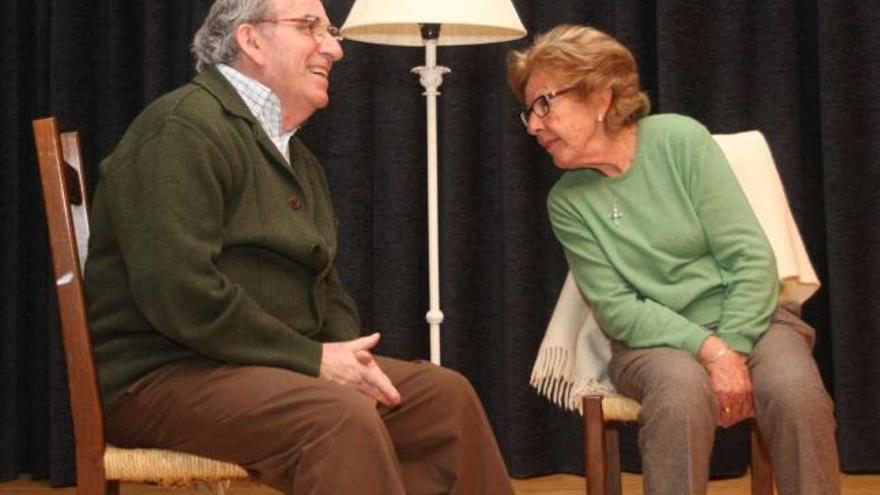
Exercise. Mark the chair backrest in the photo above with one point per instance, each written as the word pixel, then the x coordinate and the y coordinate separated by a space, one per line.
pixel 752 162
pixel 65 200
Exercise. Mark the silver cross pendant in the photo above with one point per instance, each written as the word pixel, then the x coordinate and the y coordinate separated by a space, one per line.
pixel 615 216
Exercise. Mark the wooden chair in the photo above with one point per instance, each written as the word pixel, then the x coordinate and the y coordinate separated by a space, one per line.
pixel 603 415
pixel 752 163
pixel 99 466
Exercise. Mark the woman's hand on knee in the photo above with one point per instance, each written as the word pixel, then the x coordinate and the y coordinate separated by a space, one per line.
pixel 731 381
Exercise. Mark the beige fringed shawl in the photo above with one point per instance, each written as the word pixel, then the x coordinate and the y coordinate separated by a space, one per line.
pixel 573 358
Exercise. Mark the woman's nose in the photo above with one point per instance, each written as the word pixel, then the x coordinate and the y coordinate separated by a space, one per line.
pixel 535 124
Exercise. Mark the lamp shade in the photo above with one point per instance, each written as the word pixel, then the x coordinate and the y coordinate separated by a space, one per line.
pixel 463 22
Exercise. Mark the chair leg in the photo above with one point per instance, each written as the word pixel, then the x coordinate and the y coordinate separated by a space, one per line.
pixel 91 478
pixel 612 458
pixel 761 469
pixel 97 487
pixel 595 454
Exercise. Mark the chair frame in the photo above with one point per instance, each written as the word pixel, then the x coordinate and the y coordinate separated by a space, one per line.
pixel 602 453
pixel 63 180
pixel 85 401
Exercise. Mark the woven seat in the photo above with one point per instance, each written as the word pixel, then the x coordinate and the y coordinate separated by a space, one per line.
pixel 616 407
pixel 166 467
pixel 99 466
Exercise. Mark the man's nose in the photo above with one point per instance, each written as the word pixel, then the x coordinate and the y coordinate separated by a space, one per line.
pixel 332 48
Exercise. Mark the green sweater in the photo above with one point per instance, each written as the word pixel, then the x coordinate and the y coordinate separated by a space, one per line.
pixel 206 242
pixel 685 250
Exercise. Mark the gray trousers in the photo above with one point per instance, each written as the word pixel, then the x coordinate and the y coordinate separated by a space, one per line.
pixel 305 435
pixel 679 413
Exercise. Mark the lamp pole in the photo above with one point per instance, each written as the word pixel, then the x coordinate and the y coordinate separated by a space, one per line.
pixel 418 23
pixel 431 77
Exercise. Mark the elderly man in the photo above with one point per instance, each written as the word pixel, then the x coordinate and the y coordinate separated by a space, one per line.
pixel 219 321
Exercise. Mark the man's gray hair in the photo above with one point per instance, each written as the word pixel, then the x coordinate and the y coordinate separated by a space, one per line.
pixel 214 42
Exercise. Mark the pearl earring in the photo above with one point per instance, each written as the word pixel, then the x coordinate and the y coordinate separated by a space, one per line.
pixel 600 118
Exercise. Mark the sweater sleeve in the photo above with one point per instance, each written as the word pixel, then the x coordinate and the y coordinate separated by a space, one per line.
pixel 619 309
pixel 167 208
pixel 739 246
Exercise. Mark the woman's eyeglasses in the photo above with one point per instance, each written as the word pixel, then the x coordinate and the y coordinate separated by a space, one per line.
pixel 541 105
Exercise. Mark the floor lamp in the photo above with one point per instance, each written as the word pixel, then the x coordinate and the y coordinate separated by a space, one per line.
pixel 430 23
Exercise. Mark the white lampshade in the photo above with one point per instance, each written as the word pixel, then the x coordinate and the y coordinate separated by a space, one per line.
pixel 463 22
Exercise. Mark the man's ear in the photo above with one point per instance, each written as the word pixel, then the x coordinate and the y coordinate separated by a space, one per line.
pixel 251 42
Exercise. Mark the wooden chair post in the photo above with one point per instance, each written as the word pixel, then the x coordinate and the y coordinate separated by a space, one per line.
pixel 595 454
pixel 760 469
pixel 85 398
pixel 612 458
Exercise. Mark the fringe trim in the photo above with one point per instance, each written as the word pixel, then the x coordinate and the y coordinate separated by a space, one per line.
pixel 553 377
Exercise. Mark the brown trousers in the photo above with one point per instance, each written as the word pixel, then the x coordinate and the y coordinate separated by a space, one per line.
pixel 305 435
pixel 679 412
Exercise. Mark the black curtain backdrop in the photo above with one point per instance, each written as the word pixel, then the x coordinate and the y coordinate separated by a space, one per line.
pixel 803 72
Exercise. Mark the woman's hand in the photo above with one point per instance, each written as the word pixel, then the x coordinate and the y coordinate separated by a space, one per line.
pixel 731 381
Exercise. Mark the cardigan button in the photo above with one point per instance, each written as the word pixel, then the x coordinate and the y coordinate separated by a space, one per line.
pixel 295 202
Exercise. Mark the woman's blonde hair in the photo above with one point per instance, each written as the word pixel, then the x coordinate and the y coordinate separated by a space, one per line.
pixel 589 60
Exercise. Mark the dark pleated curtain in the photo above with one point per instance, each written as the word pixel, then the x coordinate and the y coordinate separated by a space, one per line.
pixel 803 72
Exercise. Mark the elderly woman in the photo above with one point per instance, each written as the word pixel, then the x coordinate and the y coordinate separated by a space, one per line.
pixel 663 243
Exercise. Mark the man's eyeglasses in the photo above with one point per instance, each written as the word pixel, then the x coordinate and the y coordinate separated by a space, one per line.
pixel 308 24
pixel 541 105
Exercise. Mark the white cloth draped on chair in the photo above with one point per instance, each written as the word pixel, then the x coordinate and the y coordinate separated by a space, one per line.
pixel 573 358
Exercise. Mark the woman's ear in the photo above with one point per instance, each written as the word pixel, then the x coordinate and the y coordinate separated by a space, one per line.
pixel 251 42
pixel 603 101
